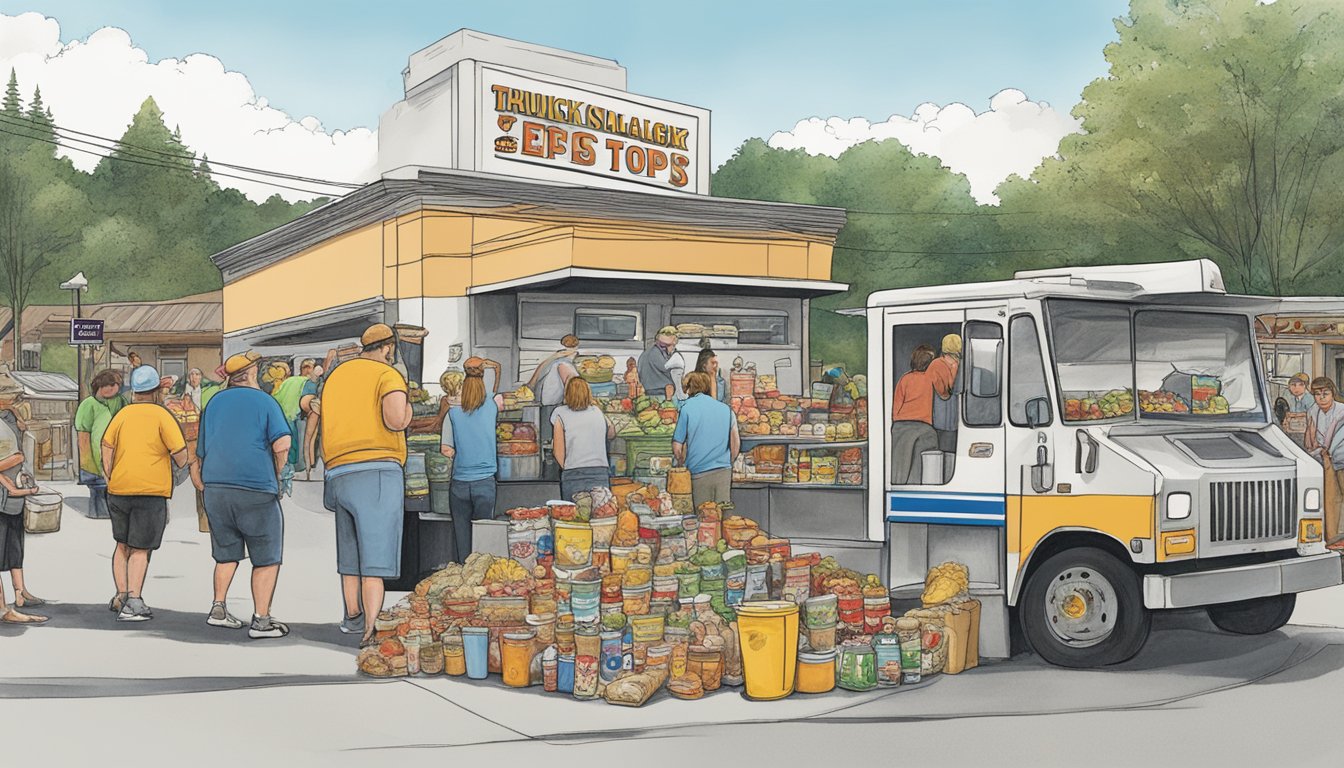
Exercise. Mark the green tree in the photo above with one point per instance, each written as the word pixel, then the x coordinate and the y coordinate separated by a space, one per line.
pixel 1218 132
pixel 39 117
pixel 12 106
pixel 32 230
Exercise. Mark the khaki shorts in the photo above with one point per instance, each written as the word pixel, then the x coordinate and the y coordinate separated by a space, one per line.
pixel 714 485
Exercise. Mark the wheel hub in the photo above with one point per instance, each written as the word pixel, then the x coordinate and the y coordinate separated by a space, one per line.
pixel 1081 607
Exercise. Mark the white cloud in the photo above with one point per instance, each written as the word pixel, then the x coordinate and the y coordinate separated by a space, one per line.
pixel 1012 136
pixel 97 84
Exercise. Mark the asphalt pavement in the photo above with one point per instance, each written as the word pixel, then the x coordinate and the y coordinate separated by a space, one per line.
pixel 85 688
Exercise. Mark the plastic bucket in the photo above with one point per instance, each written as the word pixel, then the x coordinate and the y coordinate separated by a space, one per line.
pixel 476 647
pixel 688 585
pixel 621 558
pixel 516 655
pixel 573 544
pixel 647 629
pixel 603 530
pixel 816 671
pixel 768 636
pixel 584 599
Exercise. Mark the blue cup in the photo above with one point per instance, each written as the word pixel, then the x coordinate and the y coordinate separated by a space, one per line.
pixel 564 673
pixel 476 647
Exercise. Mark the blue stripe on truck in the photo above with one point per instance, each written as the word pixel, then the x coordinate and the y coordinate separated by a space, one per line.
pixel 947 508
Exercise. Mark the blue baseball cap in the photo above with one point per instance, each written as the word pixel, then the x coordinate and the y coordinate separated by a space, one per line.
pixel 144 379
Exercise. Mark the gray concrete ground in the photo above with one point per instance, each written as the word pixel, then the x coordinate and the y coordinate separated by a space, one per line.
pixel 85 688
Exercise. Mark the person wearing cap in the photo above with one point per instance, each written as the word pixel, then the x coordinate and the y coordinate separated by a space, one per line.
pixel 468 438
pixel 288 392
pixel 366 409
pixel 1299 399
pixel 140 448
pixel 91 420
pixel 654 373
pixel 943 376
pixel 243 443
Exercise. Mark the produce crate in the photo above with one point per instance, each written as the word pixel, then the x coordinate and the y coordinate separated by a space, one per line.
pixel 646 455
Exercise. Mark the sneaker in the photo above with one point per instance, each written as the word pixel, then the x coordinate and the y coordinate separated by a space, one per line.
pixel 353 625
pixel 114 605
pixel 265 626
pixel 134 610
pixel 220 617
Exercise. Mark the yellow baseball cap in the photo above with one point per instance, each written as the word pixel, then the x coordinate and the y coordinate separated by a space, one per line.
pixel 240 362
pixel 669 330
pixel 376 334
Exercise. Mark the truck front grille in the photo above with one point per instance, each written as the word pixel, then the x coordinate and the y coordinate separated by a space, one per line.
pixel 1252 510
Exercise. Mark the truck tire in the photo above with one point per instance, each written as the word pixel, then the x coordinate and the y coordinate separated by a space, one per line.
pixel 1253 617
pixel 1084 608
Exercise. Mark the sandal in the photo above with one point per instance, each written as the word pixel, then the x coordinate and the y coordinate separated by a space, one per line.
pixel 26 599
pixel 14 617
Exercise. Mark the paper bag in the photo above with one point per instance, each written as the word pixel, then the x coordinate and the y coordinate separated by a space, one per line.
pixel 963 637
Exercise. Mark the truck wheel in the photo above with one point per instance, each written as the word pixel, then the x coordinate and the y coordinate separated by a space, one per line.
pixel 1084 608
pixel 1253 617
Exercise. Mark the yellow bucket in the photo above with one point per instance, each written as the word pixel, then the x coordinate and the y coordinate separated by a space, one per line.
pixel 768 635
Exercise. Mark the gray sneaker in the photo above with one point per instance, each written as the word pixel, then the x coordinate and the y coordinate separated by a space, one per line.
pixel 220 617
pixel 265 626
pixel 134 609
pixel 353 625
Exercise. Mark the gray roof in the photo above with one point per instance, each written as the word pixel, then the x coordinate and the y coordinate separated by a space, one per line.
pixel 388 198
pixel 46 385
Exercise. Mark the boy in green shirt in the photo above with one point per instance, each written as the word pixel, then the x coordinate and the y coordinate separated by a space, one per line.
pixel 91 421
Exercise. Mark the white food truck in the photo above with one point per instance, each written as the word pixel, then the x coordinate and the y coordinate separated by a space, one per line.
pixel 1112 455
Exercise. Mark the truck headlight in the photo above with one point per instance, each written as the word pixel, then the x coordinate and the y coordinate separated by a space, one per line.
pixel 1178 506
pixel 1311 500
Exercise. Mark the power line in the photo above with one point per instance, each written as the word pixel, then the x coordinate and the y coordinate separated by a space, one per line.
pixel 943 213
pixel 949 253
pixel 138 161
pixel 123 148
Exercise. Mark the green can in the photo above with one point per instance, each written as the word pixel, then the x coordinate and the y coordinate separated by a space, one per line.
pixel 857 670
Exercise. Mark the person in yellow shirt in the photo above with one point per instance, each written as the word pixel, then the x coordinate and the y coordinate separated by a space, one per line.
pixel 140 448
pixel 365 412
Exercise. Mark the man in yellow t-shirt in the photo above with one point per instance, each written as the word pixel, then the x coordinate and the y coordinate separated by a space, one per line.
pixel 365 413
pixel 140 448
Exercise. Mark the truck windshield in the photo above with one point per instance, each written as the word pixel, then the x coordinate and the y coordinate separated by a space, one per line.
pixel 1188 366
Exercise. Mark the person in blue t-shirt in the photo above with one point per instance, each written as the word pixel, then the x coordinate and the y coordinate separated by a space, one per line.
pixel 706 441
pixel 242 447
pixel 468 438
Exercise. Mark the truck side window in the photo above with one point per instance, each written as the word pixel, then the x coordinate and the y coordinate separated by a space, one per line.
pixel 1026 370
pixel 983 374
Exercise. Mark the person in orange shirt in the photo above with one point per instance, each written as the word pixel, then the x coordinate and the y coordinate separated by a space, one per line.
pixel 365 413
pixel 912 418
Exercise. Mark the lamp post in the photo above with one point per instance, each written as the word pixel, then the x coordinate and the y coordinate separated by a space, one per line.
pixel 77 285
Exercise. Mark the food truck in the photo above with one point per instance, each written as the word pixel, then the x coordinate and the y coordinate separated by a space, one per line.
pixel 1114 455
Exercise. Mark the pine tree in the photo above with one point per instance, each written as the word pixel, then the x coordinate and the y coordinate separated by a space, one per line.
pixel 203 167
pixel 40 117
pixel 12 106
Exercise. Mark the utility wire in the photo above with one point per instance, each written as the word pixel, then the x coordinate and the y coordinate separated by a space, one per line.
pixel 165 166
pixel 948 253
pixel 147 153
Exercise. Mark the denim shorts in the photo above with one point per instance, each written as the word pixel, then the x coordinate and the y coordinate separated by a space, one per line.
pixel 244 523
pixel 368 500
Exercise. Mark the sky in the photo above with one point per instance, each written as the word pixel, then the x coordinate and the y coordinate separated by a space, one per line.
pixel 312 78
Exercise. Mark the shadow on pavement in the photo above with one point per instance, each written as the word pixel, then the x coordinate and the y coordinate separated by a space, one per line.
pixel 180 626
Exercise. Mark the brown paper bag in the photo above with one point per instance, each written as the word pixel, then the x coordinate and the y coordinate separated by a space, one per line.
pixel 972 608
pixel 958 623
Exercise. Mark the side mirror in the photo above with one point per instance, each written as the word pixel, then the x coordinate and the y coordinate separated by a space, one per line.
pixel 1038 412
pixel 1085 461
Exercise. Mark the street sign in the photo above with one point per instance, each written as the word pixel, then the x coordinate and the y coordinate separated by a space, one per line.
pixel 86 331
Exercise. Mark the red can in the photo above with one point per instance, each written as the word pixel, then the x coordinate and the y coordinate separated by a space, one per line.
pixel 850 609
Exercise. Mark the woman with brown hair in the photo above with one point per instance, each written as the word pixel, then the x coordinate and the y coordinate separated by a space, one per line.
pixel 581 435
pixel 912 430
pixel 468 438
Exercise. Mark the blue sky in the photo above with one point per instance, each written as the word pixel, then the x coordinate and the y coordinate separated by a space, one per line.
pixel 759 66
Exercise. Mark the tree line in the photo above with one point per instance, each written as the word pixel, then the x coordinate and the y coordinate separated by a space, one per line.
pixel 1218 132
pixel 140 226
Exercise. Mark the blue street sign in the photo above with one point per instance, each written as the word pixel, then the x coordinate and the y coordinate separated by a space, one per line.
pixel 86 331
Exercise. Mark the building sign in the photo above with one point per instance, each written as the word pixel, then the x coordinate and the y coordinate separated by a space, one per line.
pixel 86 331
pixel 576 129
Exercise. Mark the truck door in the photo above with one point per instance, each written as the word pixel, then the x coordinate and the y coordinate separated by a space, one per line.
pixel 1031 455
